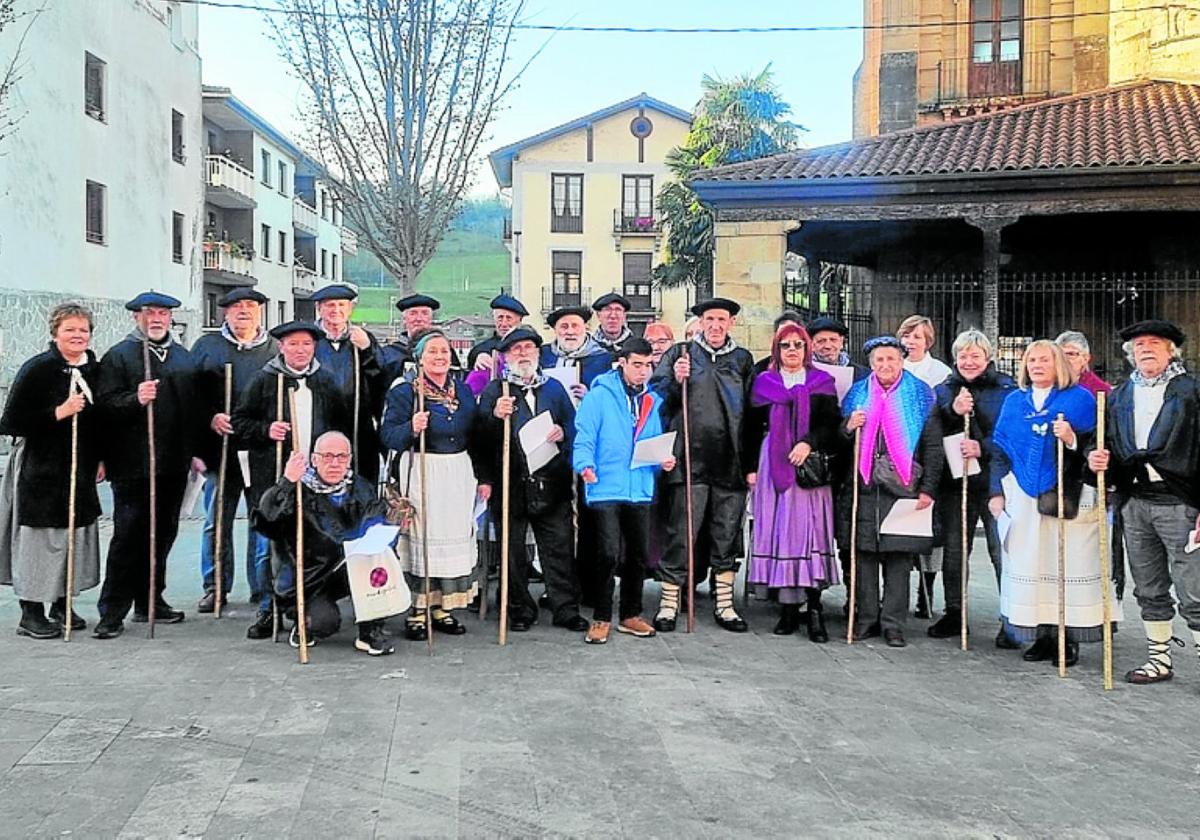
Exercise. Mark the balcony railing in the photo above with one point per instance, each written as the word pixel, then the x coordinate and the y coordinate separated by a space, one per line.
pixel 224 174
pixel 229 258
pixel 552 300
pixel 304 217
pixel 566 224
pixel 962 81
pixel 636 223
pixel 349 242
pixel 647 302
pixel 304 279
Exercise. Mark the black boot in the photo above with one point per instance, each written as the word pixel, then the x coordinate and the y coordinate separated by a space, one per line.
pixel 58 612
pixel 925 595
pixel 789 620
pixel 816 626
pixel 34 623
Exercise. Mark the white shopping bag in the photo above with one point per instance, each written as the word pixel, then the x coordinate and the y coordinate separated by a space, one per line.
pixel 377 585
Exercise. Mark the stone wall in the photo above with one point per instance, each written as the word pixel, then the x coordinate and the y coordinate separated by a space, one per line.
pixel 748 267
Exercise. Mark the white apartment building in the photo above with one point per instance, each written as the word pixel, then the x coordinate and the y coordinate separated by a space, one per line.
pixel 272 219
pixel 101 186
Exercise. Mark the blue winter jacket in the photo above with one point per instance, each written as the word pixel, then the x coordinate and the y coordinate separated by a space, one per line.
pixel 604 438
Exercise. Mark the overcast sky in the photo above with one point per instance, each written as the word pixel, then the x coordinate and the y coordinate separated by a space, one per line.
pixel 581 72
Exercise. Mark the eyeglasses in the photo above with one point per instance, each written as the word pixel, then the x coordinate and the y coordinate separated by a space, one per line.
pixel 336 457
pixel 791 345
pixel 660 342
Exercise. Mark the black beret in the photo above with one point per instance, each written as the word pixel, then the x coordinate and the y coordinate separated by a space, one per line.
pixel 241 293
pixel 518 335
pixel 730 306
pixel 510 303
pixel 152 298
pixel 413 301
pixel 827 324
pixel 334 291
pixel 878 341
pixel 1162 329
pixel 611 298
pixel 582 311
pixel 297 326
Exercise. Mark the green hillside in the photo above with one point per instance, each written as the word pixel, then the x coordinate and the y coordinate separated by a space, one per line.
pixel 468 270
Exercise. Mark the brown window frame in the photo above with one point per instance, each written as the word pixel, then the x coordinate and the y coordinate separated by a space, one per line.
pixel 565 267
pixel 177 222
pixel 566 221
pixel 95 224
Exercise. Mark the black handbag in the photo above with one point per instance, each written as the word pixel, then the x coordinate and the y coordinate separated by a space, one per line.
pixel 814 472
pixel 883 473
pixel 1047 502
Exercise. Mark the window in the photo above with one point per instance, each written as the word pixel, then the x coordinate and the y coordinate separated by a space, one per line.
pixel 95 212
pixel 212 142
pixel 93 86
pixel 324 261
pixel 995 48
pixel 565 270
pixel 266 242
pixel 333 271
pixel 177 237
pixel 177 148
pixel 637 199
pixel 325 204
pixel 282 311
pixel 283 251
pixel 211 310
pixel 283 179
pixel 566 203
pixel 637 282
pixel 266 167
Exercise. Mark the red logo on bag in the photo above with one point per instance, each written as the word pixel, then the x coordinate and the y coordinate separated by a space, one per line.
pixel 379 577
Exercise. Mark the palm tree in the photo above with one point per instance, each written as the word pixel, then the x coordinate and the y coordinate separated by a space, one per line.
pixel 735 120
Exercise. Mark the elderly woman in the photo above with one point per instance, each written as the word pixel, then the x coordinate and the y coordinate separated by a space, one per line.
pixel 49 390
pixel 793 550
pixel 974 389
pixel 447 420
pixel 1078 353
pixel 900 458
pixel 661 337
pixel 1049 407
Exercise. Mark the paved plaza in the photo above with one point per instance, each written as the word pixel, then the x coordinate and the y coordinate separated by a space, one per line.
pixel 201 732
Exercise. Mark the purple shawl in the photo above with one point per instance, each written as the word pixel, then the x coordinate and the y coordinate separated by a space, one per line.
pixel 788 418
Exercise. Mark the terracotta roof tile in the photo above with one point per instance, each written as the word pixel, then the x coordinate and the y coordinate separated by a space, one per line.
pixel 1151 123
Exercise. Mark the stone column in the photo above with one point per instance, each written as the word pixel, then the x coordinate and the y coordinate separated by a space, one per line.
pixel 748 267
pixel 991 227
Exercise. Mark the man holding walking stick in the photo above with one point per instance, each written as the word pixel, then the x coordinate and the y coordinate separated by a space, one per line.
pixel 1151 452
pixel 719 374
pixel 123 394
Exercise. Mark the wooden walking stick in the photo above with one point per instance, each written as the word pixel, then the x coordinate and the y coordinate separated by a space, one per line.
pixel 691 540
pixel 275 620
pixel 218 564
pixel 1062 565
pixel 153 466
pixel 854 538
pixel 357 377
pixel 965 560
pixel 424 514
pixel 1102 503
pixel 73 484
pixel 505 457
pixel 301 625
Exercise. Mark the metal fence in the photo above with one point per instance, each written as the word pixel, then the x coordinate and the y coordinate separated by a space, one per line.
pixel 1032 305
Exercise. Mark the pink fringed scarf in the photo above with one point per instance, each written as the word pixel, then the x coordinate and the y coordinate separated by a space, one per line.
pixel 900 412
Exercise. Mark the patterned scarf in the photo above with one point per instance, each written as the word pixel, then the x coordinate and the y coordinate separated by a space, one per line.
pixel 514 379
pixel 611 344
pixel 313 482
pixel 590 347
pixel 899 411
pixel 440 395
pixel 728 347
pixel 1172 370
pixel 260 338
pixel 158 348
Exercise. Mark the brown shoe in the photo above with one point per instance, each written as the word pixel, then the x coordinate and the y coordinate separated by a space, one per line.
pixel 636 626
pixel 597 634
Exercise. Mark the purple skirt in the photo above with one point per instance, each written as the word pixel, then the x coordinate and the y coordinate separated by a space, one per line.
pixel 793 545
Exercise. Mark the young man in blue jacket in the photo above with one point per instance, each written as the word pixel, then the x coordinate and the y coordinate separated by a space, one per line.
pixel 617 412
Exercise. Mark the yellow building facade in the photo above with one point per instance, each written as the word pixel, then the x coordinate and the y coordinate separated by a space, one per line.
pixel 585 217
pixel 926 61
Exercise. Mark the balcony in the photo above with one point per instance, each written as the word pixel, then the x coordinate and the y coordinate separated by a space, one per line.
pixel 229 185
pixel 304 218
pixel 304 280
pixel 349 242
pixel 632 223
pixel 566 224
pixel 966 87
pixel 552 300
pixel 228 264
pixel 646 299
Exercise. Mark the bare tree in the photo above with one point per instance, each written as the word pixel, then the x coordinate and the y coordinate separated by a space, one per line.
pixel 401 93
pixel 17 24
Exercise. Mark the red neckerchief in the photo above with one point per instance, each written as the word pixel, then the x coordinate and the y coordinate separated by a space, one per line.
pixel 643 414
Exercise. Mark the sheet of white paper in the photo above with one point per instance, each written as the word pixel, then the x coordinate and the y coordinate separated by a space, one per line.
pixel 377 538
pixel 843 377
pixel 1193 543
pixel 538 451
pixel 952 444
pixel 567 375
pixel 653 450
pixel 904 520
pixel 1003 526
pixel 243 459
pixel 191 493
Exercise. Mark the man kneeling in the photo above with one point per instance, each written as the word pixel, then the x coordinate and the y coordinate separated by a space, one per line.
pixel 338 506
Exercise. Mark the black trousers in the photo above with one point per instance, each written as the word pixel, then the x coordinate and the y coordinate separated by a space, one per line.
pixel 617 525
pixel 127 568
pixel 894 611
pixel 950 508
pixel 321 612
pixel 717 514
pixel 551 524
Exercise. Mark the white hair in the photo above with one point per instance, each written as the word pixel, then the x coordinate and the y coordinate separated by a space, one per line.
pixel 1172 348
pixel 972 338
pixel 1074 337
